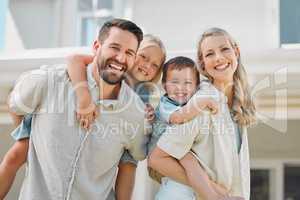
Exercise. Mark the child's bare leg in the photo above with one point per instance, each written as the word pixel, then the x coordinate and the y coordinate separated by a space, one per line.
pixel 12 161
pixel 198 179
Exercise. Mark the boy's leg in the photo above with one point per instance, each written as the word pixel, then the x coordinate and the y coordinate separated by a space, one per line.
pixel 198 178
pixel 12 161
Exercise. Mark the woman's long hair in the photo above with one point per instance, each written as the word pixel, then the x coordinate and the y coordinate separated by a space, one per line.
pixel 243 107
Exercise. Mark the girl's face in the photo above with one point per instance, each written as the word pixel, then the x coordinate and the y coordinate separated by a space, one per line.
pixel 147 64
pixel 220 58
pixel 181 84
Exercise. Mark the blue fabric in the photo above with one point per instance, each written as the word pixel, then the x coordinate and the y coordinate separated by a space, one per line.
pixel 24 129
pixel 166 107
pixel 170 189
pixel 163 111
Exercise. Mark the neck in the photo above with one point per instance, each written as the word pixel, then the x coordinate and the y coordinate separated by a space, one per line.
pixel 227 89
pixel 107 91
pixel 131 81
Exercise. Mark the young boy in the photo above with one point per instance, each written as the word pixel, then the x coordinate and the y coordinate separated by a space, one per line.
pixel 180 81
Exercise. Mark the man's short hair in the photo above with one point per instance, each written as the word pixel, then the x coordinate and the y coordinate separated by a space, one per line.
pixel 122 24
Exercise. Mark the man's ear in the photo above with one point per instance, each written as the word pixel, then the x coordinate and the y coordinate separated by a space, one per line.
pixel 96 46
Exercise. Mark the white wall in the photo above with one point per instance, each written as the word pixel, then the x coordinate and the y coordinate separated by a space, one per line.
pixel 179 23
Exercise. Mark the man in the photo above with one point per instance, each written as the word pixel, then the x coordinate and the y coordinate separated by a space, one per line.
pixel 64 161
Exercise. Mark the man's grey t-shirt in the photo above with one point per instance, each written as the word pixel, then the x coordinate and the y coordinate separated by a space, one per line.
pixel 64 161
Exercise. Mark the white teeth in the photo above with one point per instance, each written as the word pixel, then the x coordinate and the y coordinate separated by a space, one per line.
pixel 116 67
pixel 143 71
pixel 221 67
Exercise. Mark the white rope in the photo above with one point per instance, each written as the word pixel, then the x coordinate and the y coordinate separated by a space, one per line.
pixel 74 168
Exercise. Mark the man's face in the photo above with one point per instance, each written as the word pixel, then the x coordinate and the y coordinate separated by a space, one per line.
pixel 116 55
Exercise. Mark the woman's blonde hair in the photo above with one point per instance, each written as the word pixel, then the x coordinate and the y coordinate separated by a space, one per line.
pixel 151 40
pixel 243 107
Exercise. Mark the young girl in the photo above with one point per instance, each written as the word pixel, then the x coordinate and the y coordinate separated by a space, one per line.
pixel 222 149
pixel 150 57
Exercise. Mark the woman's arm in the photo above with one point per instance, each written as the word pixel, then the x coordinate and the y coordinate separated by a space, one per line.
pixel 200 181
pixel 193 108
pixel 76 66
pixel 167 165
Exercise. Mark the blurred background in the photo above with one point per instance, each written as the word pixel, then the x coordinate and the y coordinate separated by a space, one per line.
pixel 36 32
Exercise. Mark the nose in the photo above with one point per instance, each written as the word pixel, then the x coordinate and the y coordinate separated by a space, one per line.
pixel 219 56
pixel 121 57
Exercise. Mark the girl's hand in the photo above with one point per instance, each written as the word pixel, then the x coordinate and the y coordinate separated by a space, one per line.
pixel 150 113
pixel 86 114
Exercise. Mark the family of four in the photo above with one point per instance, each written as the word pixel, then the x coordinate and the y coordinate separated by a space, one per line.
pixel 82 127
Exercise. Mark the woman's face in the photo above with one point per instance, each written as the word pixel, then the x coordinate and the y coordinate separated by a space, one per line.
pixel 147 63
pixel 220 58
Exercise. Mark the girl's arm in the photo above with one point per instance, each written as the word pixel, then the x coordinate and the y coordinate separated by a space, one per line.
pixel 125 181
pixel 86 109
pixel 193 108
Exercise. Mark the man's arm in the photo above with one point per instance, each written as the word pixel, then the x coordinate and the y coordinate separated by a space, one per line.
pixel 17 119
pixel 125 181
pixel 28 93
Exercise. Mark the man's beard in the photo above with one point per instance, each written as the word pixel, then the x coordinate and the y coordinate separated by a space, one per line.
pixel 106 75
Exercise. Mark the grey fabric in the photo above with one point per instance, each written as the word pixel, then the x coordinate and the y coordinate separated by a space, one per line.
pixel 64 161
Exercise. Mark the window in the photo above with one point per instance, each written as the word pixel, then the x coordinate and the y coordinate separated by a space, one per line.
pixel 260 184
pixel 291 182
pixel 3 9
pixel 289 22
pixel 92 15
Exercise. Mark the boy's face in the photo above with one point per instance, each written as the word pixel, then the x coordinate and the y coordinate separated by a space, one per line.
pixel 181 84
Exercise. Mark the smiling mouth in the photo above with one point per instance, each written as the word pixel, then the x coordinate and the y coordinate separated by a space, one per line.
pixel 222 67
pixel 143 71
pixel 117 67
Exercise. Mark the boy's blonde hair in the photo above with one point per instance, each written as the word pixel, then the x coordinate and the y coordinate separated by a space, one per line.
pixel 243 107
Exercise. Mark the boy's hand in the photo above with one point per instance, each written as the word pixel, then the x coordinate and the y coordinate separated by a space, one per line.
pixel 86 114
pixel 150 113
pixel 209 103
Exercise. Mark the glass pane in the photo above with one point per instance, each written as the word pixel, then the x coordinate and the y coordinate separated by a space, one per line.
pixel 90 5
pixel 85 5
pixel 291 183
pixel 289 21
pixel 260 184
pixel 108 4
pixel 90 28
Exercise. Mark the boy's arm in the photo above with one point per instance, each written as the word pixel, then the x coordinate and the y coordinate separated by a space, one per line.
pixel 193 108
pixel 125 181
pixel 76 66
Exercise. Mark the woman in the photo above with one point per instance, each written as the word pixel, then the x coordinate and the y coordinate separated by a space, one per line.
pixel 222 150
